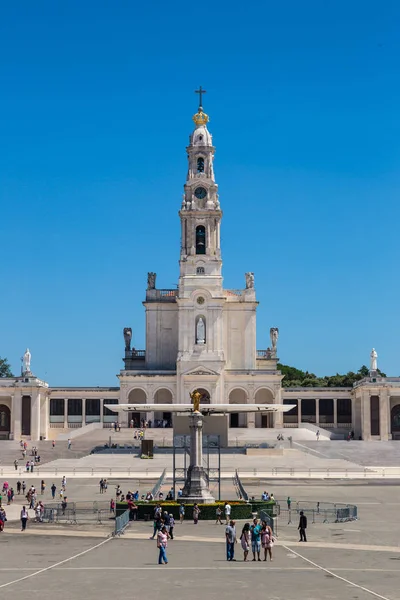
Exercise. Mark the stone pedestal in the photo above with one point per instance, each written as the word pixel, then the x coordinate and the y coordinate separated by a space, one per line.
pixel 196 488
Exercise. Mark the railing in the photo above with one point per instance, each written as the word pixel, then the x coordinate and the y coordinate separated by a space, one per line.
pixel 265 354
pixel 234 292
pixel 57 425
pixel 271 521
pixel 159 483
pixel 161 295
pixel 137 354
pixel 121 523
pixel 239 486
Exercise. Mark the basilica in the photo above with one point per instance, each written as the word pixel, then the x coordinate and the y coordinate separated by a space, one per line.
pixel 200 336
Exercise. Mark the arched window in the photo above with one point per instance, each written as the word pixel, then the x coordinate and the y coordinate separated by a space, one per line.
pixel 200 164
pixel 200 239
pixel 200 271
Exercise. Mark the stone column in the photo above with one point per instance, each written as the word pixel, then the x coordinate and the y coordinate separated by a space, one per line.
pixel 384 408
pixel 83 412
pixel 298 411
pixel 365 416
pixel 251 417
pixel 35 416
pixel 65 413
pixel 101 410
pixel 335 412
pixel 317 411
pixel 16 415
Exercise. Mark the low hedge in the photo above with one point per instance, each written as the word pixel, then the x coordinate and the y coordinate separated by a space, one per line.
pixel 240 510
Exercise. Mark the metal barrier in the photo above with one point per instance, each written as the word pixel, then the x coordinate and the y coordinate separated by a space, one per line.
pixel 121 523
pixel 321 512
pixel 159 483
pixel 271 521
pixel 239 486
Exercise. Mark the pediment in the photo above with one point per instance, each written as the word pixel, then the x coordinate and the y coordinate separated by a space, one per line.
pixel 201 371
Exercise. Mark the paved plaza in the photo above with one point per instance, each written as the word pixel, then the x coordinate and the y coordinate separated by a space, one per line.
pixel 341 560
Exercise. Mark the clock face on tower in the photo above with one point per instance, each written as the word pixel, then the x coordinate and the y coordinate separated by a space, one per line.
pixel 200 193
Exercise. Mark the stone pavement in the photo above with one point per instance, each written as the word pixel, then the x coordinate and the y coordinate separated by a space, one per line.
pixel 341 561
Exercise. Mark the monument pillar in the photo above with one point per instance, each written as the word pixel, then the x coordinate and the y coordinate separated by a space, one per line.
pixel 35 417
pixel 196 484
pixel 317 411
pixel 298 412
pixel 83 412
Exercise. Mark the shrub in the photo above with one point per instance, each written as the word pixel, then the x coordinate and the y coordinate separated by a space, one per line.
pixel 240 510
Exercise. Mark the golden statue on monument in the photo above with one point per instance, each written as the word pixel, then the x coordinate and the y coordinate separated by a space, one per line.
pixel 195 398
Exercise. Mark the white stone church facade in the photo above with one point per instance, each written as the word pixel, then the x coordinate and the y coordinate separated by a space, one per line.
pixel 200 336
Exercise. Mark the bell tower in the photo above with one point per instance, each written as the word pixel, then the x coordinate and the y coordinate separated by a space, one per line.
pixel 200 214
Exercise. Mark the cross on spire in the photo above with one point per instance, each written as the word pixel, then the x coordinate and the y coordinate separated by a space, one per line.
pixel 200 91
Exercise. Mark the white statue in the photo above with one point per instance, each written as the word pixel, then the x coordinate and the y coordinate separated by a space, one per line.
pixel 374 363
pixel 249 280
pixel 200 331
pixel 274 334
pixel 26 361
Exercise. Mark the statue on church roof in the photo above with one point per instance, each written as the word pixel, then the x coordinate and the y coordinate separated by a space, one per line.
pixel 151 280
pixel 26 362
pixel 374 362
pixel 127 337
pixel 274 334
pixel 249 280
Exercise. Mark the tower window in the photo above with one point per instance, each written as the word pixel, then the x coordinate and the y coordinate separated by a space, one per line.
pixel 200 239
pixel 200 164
pixel 200 271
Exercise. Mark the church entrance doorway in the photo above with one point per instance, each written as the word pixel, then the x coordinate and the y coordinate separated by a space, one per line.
pixel 26 415
pixel 234 421
pixel 395 422
pixel 265 420
pixel 5 418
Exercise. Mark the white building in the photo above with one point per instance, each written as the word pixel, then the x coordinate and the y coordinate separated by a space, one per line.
pixel 200 336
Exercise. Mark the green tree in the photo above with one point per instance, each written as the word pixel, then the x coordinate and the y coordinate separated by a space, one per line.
pixel 297 378
pixel 5 369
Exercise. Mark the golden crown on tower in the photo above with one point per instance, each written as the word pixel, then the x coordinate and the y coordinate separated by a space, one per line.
pixel 200 118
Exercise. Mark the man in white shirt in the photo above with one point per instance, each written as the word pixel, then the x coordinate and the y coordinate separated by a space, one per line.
pixel 227 509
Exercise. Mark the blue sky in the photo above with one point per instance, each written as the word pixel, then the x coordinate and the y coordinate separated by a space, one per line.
pixel 95 108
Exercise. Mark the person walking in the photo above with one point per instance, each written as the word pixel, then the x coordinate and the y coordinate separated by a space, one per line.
pixel 42 487
pixel 181 513
pixel 53 443
pixel 69 444
pixel 112 505
pixel 3 518
pixel 196 513
pixel 23 488
pixel 230 535
pixel 16 463
pixel 162 542
pixel 24 518
pixel 289 502
pixel 53 490
pixel 302 527
pixel 227 510
pixel 245 540
pixel 171 526
pixel 317 435
pixel 255 531
pixel 18 487
pixel 219 515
